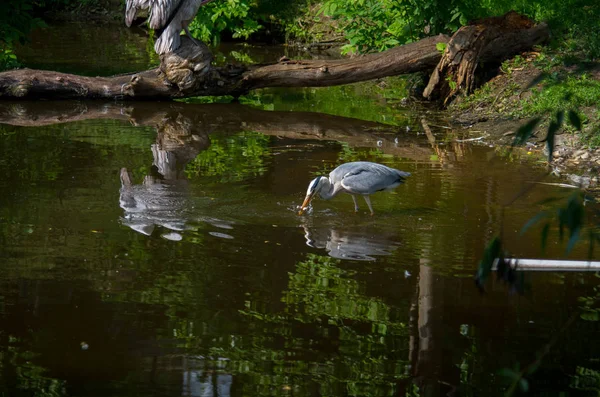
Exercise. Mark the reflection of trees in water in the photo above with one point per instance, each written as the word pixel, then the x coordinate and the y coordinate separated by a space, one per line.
pixel 355 343
pixel 326 332
pixel 233 158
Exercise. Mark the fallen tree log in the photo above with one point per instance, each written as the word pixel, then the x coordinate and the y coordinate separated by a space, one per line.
pixel 483 40
pixel 189 72
pixel 185 81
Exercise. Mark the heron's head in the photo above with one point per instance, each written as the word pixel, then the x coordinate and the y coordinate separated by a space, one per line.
pixel 313 188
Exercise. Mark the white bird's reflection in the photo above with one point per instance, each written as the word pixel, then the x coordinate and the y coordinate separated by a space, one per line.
pixel 353 244
pixel 162 199
pixel 159 202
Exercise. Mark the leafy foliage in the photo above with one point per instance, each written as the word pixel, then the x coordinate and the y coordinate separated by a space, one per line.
pixel 380 24
pixel 241 18
pixel 16 20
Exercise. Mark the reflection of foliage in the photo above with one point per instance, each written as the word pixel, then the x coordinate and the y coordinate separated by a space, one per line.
pixel 365 332
pixel 588 306
pixel 361 100
pixel 232 158
pixel 586 379
pixel 242 57
pixel 20 373
pixel 349 154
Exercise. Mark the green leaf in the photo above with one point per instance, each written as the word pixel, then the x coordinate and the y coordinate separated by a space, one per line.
pixel 441 47
pixel 524 385
pixel 508 373
pixel 590 315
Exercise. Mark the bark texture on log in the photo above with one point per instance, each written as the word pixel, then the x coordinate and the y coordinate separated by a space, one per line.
pixel 189 73
pixel 487 39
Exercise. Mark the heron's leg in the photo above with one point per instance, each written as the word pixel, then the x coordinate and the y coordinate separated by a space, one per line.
pixel 187 32
pixel 355 203
pixel 368 200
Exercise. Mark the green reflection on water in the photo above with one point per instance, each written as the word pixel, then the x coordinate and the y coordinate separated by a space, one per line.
pixel 233 158
pixel 365 101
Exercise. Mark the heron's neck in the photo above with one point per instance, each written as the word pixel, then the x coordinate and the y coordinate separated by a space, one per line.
pixel 328 190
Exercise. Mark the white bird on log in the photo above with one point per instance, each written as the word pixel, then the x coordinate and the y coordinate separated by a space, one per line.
pixel 356 178
pixel 167 17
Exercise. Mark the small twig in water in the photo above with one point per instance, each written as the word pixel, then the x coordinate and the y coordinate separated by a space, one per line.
pixel 471 139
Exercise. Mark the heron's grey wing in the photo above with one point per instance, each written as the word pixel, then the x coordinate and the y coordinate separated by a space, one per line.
pixel 371 178
pixel 132 7
pixel 161 11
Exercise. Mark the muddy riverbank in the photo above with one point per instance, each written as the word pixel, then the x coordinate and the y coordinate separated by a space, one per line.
pixel 497 109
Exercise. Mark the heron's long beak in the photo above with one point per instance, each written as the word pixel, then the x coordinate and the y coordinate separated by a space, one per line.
pixel 305 203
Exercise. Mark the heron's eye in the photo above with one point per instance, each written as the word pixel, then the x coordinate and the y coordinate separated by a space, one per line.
pixel 313 184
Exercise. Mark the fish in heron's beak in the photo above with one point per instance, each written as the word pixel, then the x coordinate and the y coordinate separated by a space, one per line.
pixel 306 202
pixel 313 188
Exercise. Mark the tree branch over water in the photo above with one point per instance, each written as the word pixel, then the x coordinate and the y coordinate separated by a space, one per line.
pixel 189 71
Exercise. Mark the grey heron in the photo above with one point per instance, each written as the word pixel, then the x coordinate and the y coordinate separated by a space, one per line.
pixel 355 178
pixel 167 17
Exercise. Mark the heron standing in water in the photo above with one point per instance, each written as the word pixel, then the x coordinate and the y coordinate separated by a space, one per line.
pixel 356 178
pixel 167 17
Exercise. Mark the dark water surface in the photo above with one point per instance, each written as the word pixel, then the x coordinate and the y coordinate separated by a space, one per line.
pixel 155 250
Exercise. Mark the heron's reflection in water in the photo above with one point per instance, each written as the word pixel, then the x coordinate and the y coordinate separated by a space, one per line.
pixel 359 244
pixel 162 199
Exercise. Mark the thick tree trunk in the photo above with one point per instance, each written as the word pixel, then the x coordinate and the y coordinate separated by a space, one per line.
pixel 483 40
pixel 189 72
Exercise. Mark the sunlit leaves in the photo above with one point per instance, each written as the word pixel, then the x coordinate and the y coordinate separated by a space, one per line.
pixel 589 309
pixel 235 16
pixel 375 25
